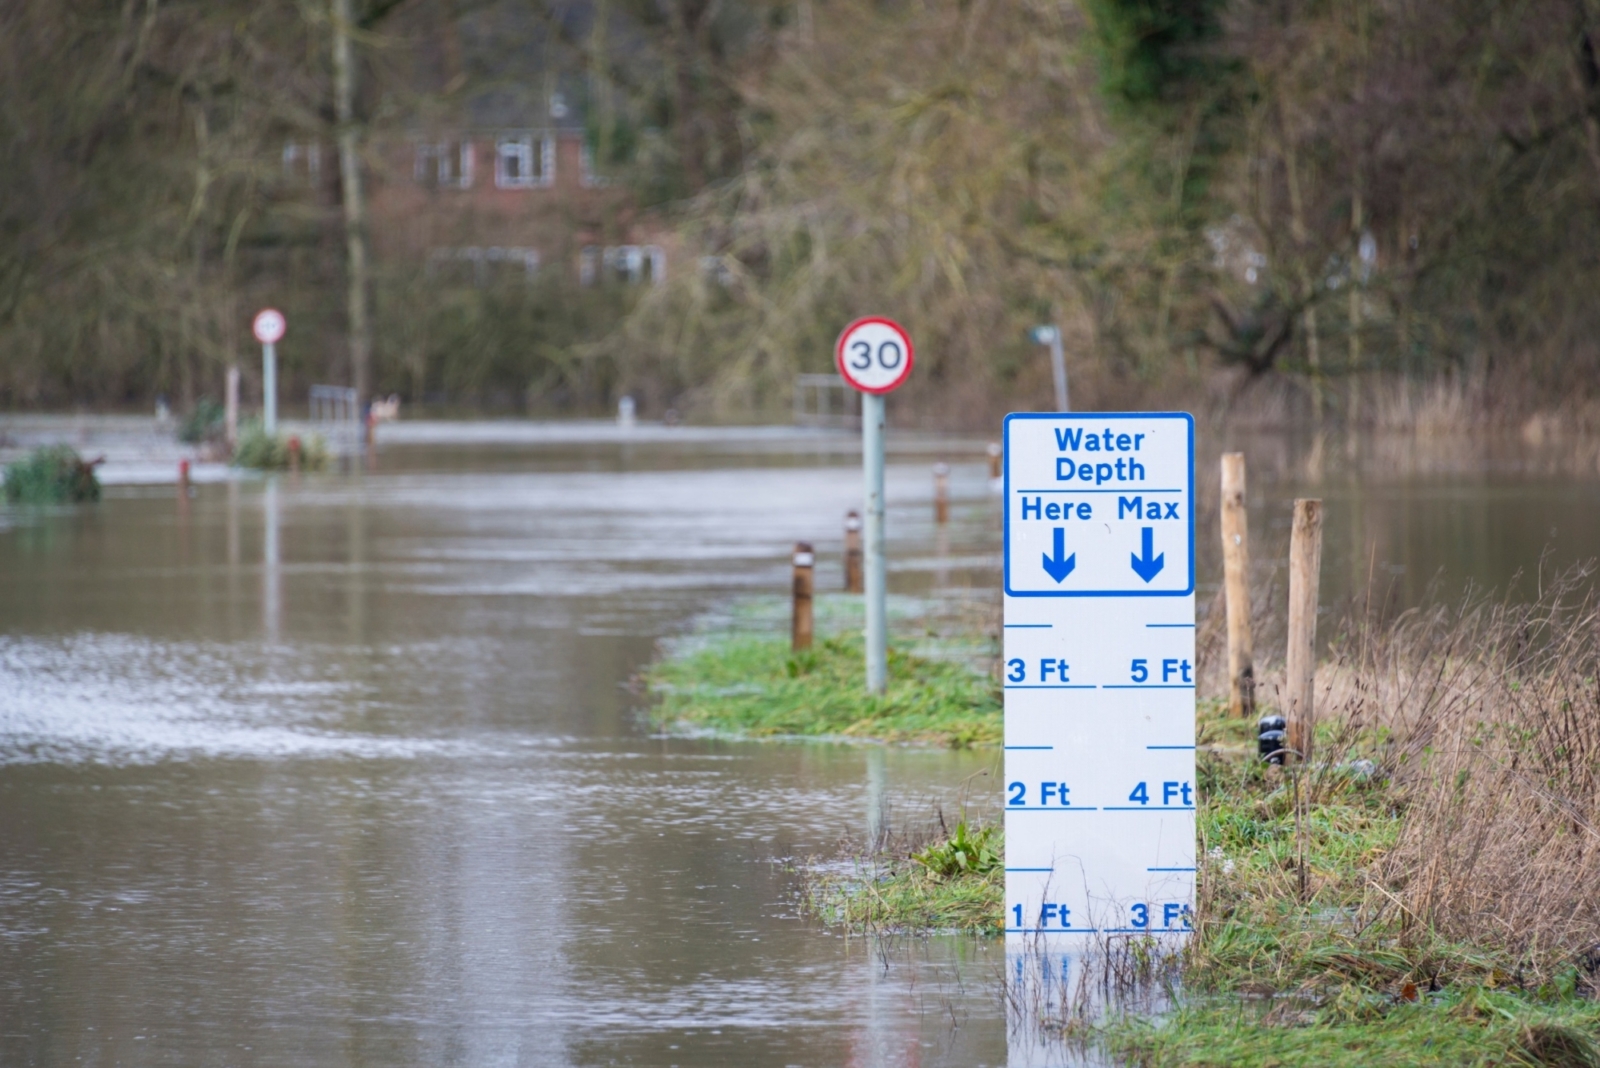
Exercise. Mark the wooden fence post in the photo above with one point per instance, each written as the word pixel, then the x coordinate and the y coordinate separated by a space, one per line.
pixel 941 492
pixel 1305 566
pixel 801 628
pixel 1236 586
pixel 852 551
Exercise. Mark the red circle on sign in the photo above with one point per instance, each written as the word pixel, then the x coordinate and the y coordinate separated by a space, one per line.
pixel 269 326
pixel 874 354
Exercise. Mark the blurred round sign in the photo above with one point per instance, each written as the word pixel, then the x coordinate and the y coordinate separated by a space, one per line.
pixel 874 354
pixel 269 326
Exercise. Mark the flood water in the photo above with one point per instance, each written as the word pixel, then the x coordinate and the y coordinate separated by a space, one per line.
pixel 347 770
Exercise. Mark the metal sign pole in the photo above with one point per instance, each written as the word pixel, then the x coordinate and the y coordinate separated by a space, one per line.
pixel 1058 366
pixel 874 355
pixel 877 579
pixel 269 387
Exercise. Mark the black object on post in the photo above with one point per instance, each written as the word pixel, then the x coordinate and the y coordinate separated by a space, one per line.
pixel 1270 738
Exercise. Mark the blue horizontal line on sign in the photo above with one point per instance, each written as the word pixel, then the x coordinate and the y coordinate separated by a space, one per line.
pixel 1159 626
pixel 1030 869
pixel 1051 808
pixel 1158 869
pixel 1030 747
pixel 1055 686
pixel 1169 747
pixel 1149 808
pixel 1146 930
pixel 1029 626
pixel 1052 930
pixel 1147 686
pixel 1124 492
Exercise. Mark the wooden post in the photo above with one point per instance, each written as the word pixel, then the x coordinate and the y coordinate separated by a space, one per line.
pixel 183 478
pixel 294 454
pixel 231 407
pixel 1236 586
pixel 801 628
pixel 1305 567
pixel 852 551
pixel 994 461
pixel 941 492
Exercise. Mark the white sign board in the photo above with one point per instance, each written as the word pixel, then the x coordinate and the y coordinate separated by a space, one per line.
pixel 874 355
pixel 269 325
pixel 1099 674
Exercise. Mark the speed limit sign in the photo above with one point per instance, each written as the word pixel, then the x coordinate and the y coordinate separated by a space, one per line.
pixel 268 326
pixel 874 354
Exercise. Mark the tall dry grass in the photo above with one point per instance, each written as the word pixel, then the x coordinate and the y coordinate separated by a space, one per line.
pixel 1484 716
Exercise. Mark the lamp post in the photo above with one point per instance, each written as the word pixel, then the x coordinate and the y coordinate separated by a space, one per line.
pixel 1051 335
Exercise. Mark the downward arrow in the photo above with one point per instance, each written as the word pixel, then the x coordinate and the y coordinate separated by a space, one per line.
pixel 1060 566
pixel 1147 567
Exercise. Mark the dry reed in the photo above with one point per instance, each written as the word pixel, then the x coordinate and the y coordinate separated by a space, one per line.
pixel 1484 718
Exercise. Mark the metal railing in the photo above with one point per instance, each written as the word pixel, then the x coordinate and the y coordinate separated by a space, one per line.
pixel 815 403
pixel 336 413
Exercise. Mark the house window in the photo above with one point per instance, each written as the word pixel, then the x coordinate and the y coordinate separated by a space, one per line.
pixel 480 266
pixel 302 161
pixel 444 164
pixel 524 161
pixel 630 264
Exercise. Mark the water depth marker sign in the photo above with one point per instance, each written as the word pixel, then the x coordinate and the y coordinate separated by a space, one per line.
pixel 1099 674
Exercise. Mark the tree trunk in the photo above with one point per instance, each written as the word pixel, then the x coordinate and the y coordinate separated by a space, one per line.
pixel 1356 266
pixel 353 199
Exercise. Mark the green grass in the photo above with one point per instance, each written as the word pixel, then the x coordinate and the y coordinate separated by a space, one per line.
pixel 756 687
pixel 955 884
pixel 1474 1027
pixel 55 474
pixel 270 452
pixel 1272 979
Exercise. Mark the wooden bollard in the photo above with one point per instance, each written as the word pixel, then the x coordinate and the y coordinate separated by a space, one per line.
pixel 994 460
pixel 852 552
pixel 294 454
pixel 801 628
pixel 372 428
pixel 1305 567
pixel 183 478
pixel 1236 586
pixel 941 492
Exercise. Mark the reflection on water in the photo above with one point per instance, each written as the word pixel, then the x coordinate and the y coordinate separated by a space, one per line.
pixel 345 770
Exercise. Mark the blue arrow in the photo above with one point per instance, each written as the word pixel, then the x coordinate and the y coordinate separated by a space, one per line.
pixel 1060 566
pixel 1148 567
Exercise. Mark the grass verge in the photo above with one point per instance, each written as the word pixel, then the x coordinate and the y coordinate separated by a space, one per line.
pixel 757 687
pixel 955 883
pixel 54 474
pixel 1291 969
pixel 261 451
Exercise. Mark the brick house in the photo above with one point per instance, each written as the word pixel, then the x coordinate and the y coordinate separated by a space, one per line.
pixel 488 198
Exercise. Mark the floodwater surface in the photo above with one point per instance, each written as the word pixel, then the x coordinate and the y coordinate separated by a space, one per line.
pixel 348 770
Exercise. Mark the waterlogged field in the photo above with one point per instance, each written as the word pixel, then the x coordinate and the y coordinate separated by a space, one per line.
pixel 366 767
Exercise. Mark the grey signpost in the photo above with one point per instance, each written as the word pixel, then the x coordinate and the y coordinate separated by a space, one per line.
pixel 874 355
pixel 1051 335
pixel 268 327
